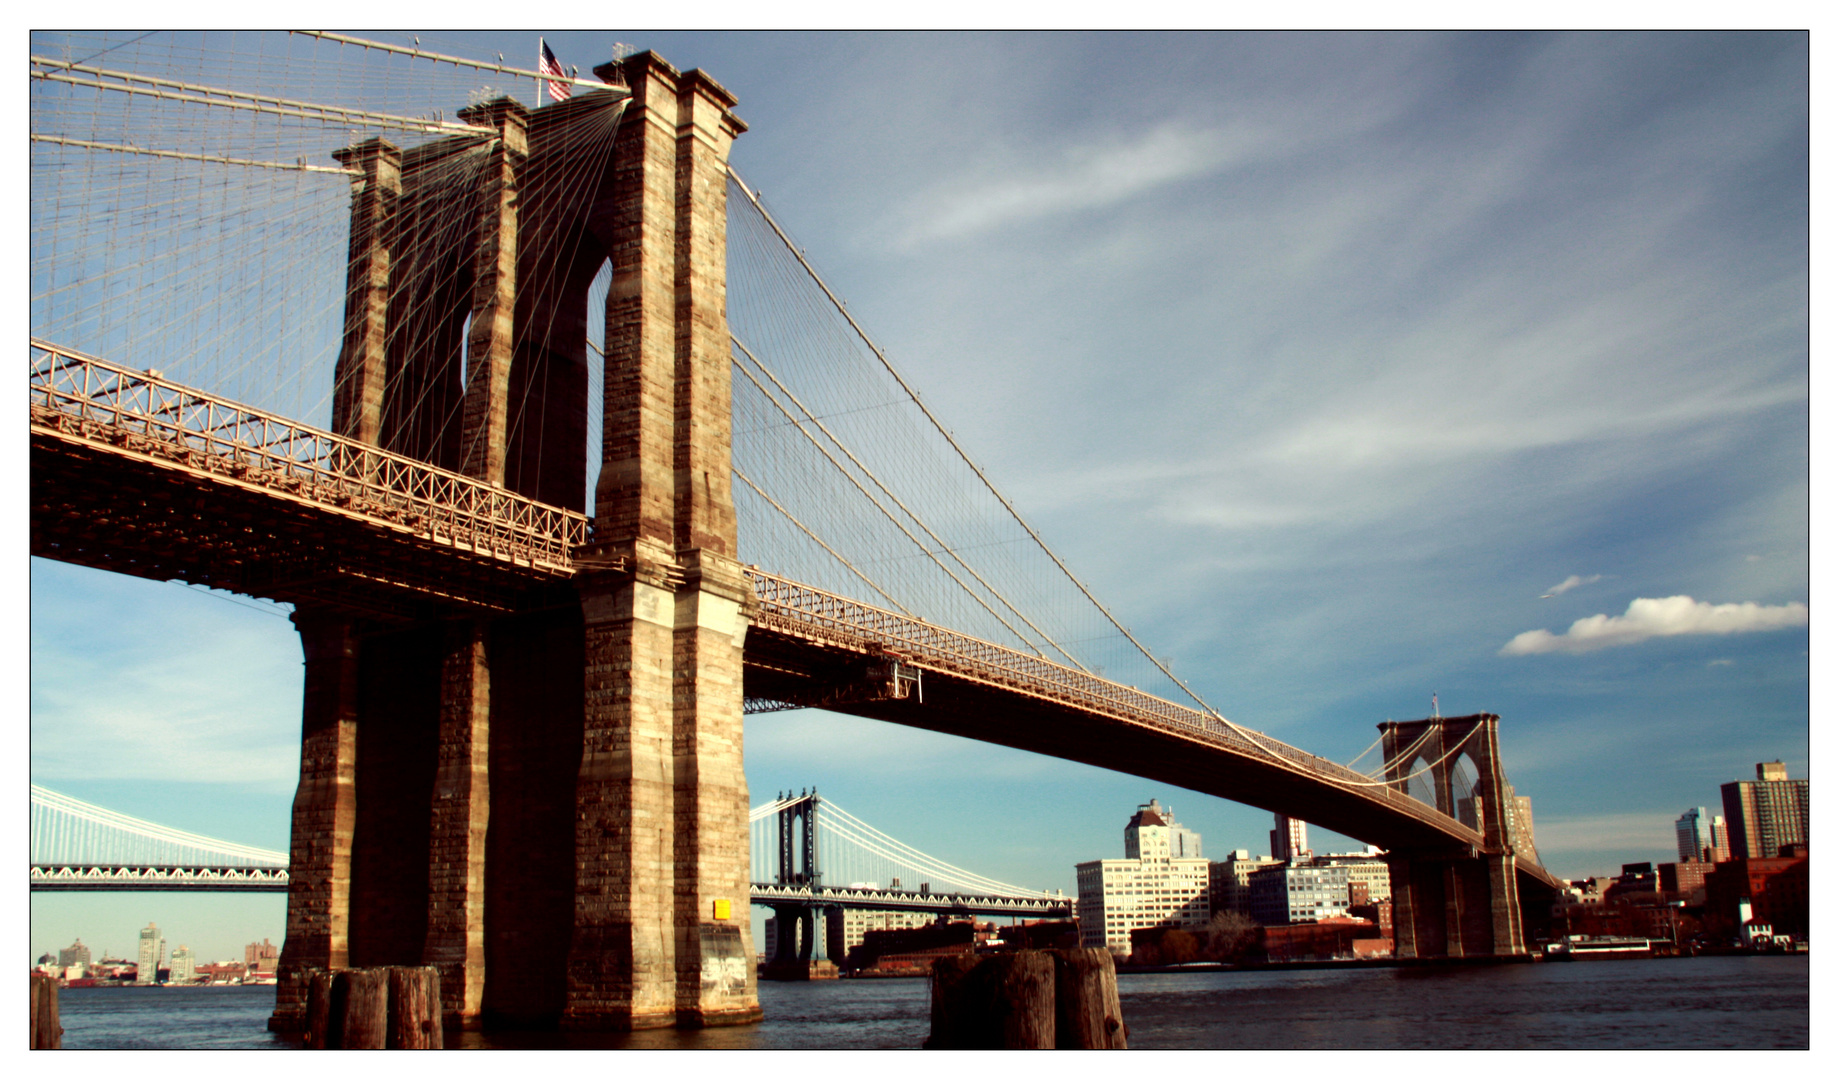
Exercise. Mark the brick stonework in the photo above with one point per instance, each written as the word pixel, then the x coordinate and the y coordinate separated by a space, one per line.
pixel 325 814
pixel 1445 905
pixel 456 856
pixel 549 806
pixel 357 407
pixel 490 338
pixel 663 801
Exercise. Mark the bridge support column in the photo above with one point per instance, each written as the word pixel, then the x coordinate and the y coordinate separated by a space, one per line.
pixel 662 933
pixel 456 844
pixel 489 346
pixel 715 957
pixel 357 401
pixel 1453 905
pixel 324 817
pixel 622 963
pixel 792 933
pixel 836 949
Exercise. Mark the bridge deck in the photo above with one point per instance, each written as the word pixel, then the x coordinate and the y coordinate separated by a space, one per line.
pixel 122 878
pixel 1033 907
pixel 138 475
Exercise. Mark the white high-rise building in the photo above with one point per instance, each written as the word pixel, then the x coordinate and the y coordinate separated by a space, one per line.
pixel 184 965
pixel 1290 839
pixel 152 951
pixel 1151 886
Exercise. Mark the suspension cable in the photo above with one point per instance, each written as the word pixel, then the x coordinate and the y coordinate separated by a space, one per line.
pixel 754 198
pixel 943 546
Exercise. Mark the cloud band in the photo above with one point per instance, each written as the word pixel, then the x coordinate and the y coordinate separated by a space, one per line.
pixel 1650 618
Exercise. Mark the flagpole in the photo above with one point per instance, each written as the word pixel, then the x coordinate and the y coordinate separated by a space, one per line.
pixel 541 87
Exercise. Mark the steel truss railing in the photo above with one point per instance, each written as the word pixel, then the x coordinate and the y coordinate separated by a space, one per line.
pixel 91 400
pixel 901 900
pixel 804 611
pixel 107 878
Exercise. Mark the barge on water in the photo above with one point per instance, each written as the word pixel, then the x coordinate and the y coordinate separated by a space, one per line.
pixel 1599 948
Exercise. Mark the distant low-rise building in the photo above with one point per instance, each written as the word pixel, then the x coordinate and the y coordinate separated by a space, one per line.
pixel 1229 885
pixel 1684 881
pixel 1337 938
pixel 1318 887
pixel 222 973
pixel 1775 889
pixel 262 956
pixel 1637 884
pixel 78 953
pixel 1366 870
pixel 857 924
pixel 1298 892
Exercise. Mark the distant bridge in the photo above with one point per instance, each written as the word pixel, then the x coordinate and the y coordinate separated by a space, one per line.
pixel 91 877
pixel 78 846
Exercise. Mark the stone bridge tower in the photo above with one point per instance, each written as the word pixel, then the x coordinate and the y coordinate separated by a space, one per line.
pixel 547 801
pixel 1455 905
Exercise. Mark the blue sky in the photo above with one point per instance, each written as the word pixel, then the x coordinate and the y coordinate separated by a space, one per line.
pixel 1340 367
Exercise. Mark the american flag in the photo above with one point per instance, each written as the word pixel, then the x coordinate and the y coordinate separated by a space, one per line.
pixel 547 63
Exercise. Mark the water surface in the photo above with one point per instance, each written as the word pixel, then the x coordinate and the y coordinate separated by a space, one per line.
pixel 1742 1002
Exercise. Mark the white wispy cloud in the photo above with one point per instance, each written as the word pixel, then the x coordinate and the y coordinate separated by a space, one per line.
pixel 1570 583
pixel 1087 178
pixel 1650 618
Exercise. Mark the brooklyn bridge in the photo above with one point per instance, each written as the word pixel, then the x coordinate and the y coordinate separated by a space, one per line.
pixel 567 458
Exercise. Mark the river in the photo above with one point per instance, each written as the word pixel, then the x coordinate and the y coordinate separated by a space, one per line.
pixel 1741 1002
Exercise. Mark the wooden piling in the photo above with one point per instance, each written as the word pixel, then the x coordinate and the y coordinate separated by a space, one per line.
pixel 414 1008
pixel 1087 1015
pixel 394 1008
pixel 319 1029
pixel 360 1008
pixel 1001 1002
pixel 47 1029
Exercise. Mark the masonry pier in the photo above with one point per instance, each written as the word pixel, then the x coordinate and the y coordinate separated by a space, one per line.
pixel 1456 905
pixel 543 801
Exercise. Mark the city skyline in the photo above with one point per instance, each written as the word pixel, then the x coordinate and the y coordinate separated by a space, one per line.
pixel 1347 369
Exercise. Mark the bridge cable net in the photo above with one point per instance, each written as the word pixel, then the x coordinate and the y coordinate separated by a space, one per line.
pixel 188 216
pixel 849 483
pixel 69 831
pixel 853 853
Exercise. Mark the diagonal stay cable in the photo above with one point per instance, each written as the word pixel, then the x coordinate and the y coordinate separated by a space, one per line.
pixel 851 567
pixel 799 425
pixel 65 804
pixel 943 546
pixel 753 198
